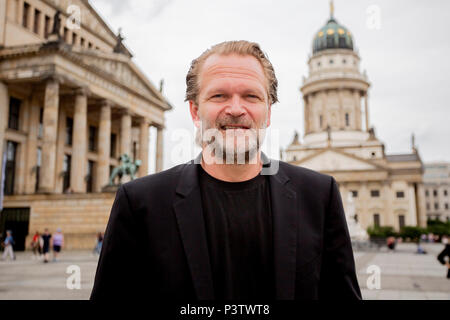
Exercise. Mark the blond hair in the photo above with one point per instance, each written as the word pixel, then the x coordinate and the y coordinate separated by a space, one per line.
pixel 241 47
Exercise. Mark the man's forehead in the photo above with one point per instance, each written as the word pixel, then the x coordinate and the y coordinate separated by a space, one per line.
pixel 232 65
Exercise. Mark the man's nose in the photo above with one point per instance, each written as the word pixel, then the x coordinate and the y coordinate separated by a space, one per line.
pixel 236 107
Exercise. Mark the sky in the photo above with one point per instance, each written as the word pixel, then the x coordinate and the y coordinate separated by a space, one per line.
pixel 404 47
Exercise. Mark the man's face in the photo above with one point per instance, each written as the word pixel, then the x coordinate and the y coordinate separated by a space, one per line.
pixel 233 99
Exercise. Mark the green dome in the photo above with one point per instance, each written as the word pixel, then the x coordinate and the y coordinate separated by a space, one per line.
pixel 332 36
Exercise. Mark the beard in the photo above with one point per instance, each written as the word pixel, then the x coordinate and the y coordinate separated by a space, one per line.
pixel 231 140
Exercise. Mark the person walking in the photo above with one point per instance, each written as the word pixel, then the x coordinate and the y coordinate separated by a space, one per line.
pixel 58 242
pixel 46 244
pixel 35 246
pixel 8 245
pixel 445 253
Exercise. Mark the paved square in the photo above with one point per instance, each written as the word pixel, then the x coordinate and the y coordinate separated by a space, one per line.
pixel 404 275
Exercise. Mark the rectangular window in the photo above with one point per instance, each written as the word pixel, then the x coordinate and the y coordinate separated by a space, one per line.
pixel 46 26
pixel 37 21
pixel 435 193
pixel 376 220
pixel 69 131
pixel 374 193
pixel 66 170
pixel 90 174
pixel 14 112
pixel 41 123
pixel 347 120
pixel 401 221
pixel 38 168
pixel 400 194
pixel 427 193
pixel 354 193
pixel 89 45
pixel 82 42
pixel 74 38
pixel 436 206
pixel 134 150
pixel 92 138
pixel 428 206
pixel 10 167
pixel 113 145
pixel 446 206
pixel 320 121
pixel 445 192
pixel 26 12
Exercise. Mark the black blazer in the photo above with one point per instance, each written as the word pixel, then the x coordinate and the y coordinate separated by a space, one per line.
pixel 155 242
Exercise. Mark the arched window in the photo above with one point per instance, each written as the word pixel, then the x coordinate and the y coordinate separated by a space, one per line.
pixel 347 120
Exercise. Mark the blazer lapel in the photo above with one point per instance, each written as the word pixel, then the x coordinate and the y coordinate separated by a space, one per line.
pixel 284 202
pixel 189 214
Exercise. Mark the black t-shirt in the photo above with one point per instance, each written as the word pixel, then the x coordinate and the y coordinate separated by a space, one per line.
pixel 238 222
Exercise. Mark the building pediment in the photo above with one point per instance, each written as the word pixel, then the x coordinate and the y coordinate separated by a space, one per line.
pixel 332 160
pixel 121 69
pixel 89 18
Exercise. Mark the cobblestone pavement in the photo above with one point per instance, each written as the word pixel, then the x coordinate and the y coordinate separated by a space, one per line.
pixel 404 275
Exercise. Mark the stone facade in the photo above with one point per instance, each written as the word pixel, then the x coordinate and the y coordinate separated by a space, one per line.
pixel 71 103
pixel 339 141
pixel 437 190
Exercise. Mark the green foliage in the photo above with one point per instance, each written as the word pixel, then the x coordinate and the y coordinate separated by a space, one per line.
pixel 381 232
pixel 438 227
pixel 411 232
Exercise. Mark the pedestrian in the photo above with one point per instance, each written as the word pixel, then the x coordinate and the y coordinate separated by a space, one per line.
pixel 46 244
pixel 58 242
pixel 445 253
pixel 391 243
pixel 8 245
pixel 35 246
pixel 98 244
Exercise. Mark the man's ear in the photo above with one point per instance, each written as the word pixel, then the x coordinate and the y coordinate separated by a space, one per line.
pixel 193 108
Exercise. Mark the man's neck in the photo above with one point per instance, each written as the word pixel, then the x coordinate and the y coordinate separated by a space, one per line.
pixel 232 172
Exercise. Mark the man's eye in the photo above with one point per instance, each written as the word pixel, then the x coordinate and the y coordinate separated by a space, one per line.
pixel 252 96
pixel 219 95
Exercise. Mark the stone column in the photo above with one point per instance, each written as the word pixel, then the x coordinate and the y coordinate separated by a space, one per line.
pixel 324 112
pixel 31 159
pixel 50 123
pixel 143 146
pixel 125 134
pixel 21 153
pixel 159 149
pixel 60 146
pixel 357 101
pixel 104 146
pixel 79 143
pixel 421 207
pixel 306 102
pixel 388 194
pixel 4 111
pixel 341 118
pixel 19 10
pixel 366 109
pixel 364 219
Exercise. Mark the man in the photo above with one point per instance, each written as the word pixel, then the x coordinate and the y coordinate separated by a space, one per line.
pixel 232 224
pixel 8 245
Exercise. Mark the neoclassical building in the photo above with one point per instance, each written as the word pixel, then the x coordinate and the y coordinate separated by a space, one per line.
pixel 71 102
pixel 436 179
pixel 338 139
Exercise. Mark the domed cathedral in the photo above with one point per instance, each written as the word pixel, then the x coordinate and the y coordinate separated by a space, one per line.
pixel 387 190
